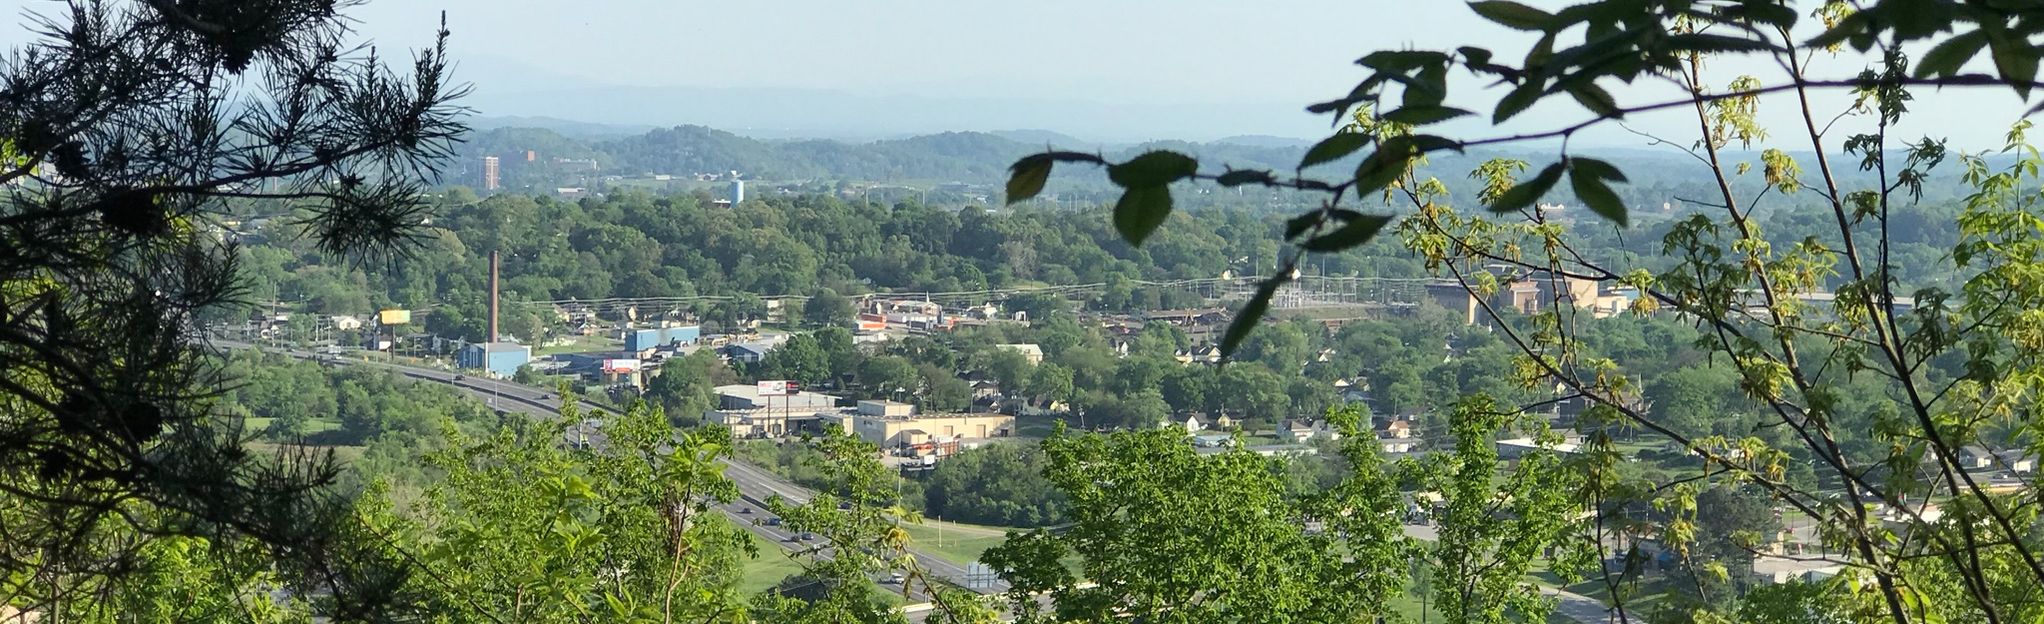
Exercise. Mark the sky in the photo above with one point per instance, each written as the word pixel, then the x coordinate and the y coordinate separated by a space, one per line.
pixel 1110 70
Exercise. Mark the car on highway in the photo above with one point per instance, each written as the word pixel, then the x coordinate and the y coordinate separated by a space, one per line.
pixel 895 579
pixel 745 510
pixel 460 377
pixel 773 522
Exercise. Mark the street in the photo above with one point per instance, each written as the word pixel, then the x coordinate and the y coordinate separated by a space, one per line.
pixel 755 485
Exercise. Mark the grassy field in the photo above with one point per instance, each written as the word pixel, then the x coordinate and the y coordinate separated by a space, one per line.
pixel 317 425
pixel 959 543
pixel 772 565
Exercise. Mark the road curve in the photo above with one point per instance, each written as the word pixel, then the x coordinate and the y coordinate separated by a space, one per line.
pixel 755 485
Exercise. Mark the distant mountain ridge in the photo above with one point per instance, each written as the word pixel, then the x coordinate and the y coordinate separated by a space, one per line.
pixel 969 157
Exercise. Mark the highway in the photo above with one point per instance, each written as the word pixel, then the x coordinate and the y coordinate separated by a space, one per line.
pixel 755 485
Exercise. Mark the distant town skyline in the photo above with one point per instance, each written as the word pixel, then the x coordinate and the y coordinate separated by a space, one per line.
pixel 1120 71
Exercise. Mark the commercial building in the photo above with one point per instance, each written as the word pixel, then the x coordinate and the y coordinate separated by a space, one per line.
pixel 750 414
pixel 645 339
pixel 890 424
pixel 490 179
pixel 500 359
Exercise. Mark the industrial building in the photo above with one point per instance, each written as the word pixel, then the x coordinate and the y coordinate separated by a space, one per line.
pixel 892 424
pixel 500 359
pixel 645 339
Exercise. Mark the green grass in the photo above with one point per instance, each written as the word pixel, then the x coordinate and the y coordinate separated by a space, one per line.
pixel 764 571
pixel 317 425
pixel 1034 426
pixel 961 544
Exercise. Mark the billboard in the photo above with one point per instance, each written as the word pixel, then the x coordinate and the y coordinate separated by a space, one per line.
pixel 394 317
pixel 620 366
pixel 778 388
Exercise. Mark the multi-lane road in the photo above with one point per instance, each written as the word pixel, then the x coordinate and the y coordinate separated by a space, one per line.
pixel 755 485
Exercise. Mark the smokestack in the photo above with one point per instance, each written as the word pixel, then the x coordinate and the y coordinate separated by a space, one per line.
pixel 493 295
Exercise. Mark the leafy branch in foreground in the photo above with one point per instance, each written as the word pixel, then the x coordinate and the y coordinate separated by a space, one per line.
pixel 1627 41
pixel 125 126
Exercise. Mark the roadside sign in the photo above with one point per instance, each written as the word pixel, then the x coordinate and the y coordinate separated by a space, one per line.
pixel 776 388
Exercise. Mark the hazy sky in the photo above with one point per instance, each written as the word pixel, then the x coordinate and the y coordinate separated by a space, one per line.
pixel 1233 56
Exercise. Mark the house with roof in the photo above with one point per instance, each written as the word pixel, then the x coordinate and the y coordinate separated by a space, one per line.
pixel 1301 430
pixel 1975 457
pixel 2019 461
pixel 746 352
pixel 1191 423
pixel 1031 352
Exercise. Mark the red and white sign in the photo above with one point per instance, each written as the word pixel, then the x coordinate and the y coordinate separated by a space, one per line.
pixel 620 366
pixel 778 388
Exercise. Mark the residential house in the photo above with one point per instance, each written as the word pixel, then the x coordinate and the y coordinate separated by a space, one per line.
pixel 1397 445
pixel 2018 461
pixel 1303 430
pixel 1191 423
pixel 1399 429
pixel 1031 352
pixel 1976 458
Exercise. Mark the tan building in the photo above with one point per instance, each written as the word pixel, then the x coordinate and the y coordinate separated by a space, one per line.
pixel 891 424
pixel 750 414
pixel 1031 352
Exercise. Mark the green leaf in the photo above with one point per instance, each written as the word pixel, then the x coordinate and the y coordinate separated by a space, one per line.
pixel 1423 115
pixel 1027 176
pixel 2016 61
pixel 1949 55
pixel 1525 193
pixel 1356 232
pixel 1401 60
pixel 1251 313
pixel 1597 168
pixel 1428 87
pixel 1474 55
pixel 1141 210
pixel 1851 26
pixel 1240 177
pixel 1707 43
pixel 1597 195
pixel 1384 165
pixel 1299 224
pixel 1334 148
pixel 1156 168
pixel 1762 12
pixel 1513 15
pixel 1517 101
pixel 1596 99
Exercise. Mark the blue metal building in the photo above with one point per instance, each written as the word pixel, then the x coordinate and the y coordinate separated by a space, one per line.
pixel 686 334
pixel 501 359
pixel 642 339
